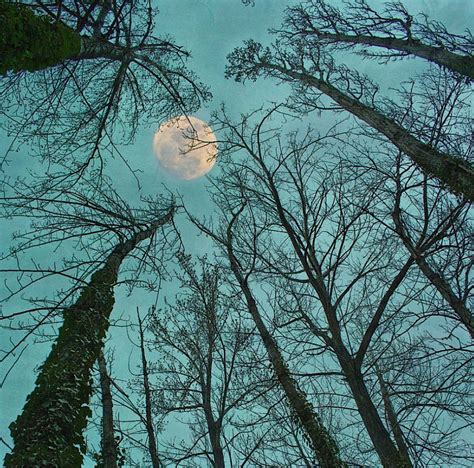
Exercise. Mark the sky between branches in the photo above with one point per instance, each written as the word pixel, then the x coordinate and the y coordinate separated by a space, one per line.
pixel 210 29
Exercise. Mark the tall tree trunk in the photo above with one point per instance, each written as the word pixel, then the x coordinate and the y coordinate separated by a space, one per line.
pixel 462 64
pixel 214 427
pixel 29 42
pixel 391 415
pixel 49 431
pixel 438 281
pixel 215 437
pixel 152 448
pixel 324 446
pixel 109 447
pixel 384 446
pixel 388 453
pixel 457 174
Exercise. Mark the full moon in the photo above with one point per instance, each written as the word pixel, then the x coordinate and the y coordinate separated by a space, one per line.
pixel 185 147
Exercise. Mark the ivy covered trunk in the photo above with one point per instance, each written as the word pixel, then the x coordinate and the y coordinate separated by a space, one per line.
pixel 324 446
pixel 29 42
pixel 49 431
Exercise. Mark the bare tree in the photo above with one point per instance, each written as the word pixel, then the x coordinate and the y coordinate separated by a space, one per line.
pixel 108 442
pixel 323 445
pixel 200 343
pixel 83 106
pixel 49 429
pixel 435 230
pixel 453 226
pixel 150 430
pixel 325 448
pixel 353 292
pixel 393 30
pixel 312 73
pixel 433 227
pixel 137 428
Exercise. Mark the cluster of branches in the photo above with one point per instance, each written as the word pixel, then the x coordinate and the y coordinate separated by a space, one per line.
pixel 80 107
pixel 207 370
pixel 333 326
pixel 310 227
pixel 299 57
pixel 394 31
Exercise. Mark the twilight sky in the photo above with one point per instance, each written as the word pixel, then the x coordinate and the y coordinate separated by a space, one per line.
pixel 210 29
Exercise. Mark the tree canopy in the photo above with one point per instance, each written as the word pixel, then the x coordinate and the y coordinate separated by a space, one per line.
pixel 308 304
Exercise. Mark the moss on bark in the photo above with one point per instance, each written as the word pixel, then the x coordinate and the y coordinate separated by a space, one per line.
pixel 49 430
pixel 29 42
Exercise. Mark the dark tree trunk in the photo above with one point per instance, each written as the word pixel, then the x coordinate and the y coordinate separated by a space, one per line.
pixel 324 446
pixel 49 431
pixel 109 447
pixel 392 416
pixel 152 448
pixel 458 63
pixel 458 175
pixel 214 426
pixel 388 453
pixel 437 280
pixel 214 435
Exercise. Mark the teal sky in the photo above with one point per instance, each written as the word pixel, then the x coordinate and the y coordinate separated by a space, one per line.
pixel 209 29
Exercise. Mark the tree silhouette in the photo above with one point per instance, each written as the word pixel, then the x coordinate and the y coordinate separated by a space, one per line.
pixel 50 428
pixel 303 62
pixel 81 107
pixel 199 341
pixel 308 230
pixel 109 449
pixel 395 32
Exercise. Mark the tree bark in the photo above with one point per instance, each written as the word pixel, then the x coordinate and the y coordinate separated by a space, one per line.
pixel 392 416
pixel 438 281
pixel 214 426
pixel 388 453
pixel 456 174
pixel 29 42
pixel 49 431
pixel 109 447
pixel 461 64
pixel 94 48
pixel 214 436
pixel 152 448
pixel 324 446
